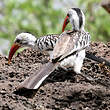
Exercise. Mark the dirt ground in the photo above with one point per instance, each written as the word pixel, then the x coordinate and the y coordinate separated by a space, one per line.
pixel 62 90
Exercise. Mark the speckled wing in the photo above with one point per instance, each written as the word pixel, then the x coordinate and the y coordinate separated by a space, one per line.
pixel 47 43
pixel 63 46
pixel 70 42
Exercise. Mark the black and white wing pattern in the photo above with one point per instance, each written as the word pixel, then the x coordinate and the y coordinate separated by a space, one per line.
pixel 70 42
pixel 47 43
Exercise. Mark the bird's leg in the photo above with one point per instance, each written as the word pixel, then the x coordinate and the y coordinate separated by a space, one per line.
pixel 77 70
pixel 86 77
pixel 63 67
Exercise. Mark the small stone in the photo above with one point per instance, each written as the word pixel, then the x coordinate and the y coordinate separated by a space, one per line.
pixel 2 92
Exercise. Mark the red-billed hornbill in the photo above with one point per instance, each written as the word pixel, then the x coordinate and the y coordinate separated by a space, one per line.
pixel 44 43
pixel 69 50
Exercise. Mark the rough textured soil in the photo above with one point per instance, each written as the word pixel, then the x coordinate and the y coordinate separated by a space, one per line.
pixel 62 90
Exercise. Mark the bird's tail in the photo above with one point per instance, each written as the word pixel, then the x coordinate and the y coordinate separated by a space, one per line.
pixel 98 59
pixel 36 79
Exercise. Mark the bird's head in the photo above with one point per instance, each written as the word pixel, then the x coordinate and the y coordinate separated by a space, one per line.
pixel 21 40
pixel 77 19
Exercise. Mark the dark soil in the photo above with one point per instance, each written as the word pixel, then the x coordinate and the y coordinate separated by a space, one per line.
pixel 62 90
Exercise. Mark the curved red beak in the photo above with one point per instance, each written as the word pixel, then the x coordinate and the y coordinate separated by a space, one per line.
pixel 13 49
pixel 66 21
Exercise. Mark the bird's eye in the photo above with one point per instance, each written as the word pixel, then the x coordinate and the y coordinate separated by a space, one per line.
pixel 68 15
pixel 18 40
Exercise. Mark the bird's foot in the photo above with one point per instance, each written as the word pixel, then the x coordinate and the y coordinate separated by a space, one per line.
pixel 86 77
pixel 103 67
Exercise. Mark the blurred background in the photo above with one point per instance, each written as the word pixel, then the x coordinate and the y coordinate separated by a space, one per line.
pixel 41 17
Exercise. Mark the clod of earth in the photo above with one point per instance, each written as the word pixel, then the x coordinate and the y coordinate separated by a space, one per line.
pixel 61 90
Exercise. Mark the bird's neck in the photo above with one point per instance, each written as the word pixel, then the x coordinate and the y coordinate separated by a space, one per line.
pixel 33 43
pixel 78 29
pixel 82 29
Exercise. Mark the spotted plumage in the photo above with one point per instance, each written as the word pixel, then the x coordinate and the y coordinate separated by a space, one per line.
pixel 70 49
pixel 46 43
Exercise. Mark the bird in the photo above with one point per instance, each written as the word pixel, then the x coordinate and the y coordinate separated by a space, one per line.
pixel 69 51
pixel 81 38
pixel 47 43
pixel 44 43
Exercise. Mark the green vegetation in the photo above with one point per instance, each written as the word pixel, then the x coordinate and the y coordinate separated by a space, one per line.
pixel 39 17
pixel 98 20
pixel 36 17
